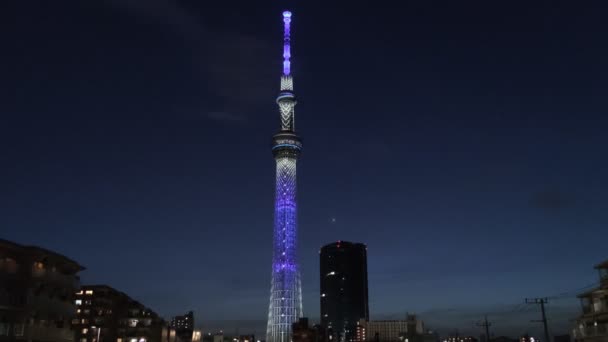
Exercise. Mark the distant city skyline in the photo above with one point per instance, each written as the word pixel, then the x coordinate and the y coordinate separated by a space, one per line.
pixel 463 143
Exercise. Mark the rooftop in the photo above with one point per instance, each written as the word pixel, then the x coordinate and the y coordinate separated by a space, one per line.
pixel 41 252
pixel 602 265
pixel 596 291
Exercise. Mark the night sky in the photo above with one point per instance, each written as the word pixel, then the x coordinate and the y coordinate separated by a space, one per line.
pixel 463 141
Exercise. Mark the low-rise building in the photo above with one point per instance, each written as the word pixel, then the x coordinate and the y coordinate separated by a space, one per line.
pixel 412 329
pixel 592 324
pixel 106 314
pixel 36 293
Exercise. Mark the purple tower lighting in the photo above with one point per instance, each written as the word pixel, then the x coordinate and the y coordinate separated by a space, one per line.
pixel 286 43
pixel 285 292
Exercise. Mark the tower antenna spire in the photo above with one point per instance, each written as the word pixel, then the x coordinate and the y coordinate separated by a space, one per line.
pixel 287 43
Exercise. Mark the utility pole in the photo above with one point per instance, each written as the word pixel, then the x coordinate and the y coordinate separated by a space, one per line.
pixel 542 302
pixel 486 325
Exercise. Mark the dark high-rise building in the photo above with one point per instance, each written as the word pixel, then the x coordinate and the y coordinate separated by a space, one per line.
pixel 36 294
pixel 343 288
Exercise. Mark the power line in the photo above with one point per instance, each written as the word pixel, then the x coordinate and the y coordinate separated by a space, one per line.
pixel 573 292
pixel 541 302
pixel 486 325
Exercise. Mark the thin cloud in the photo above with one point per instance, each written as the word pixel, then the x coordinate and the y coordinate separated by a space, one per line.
pixel 236 69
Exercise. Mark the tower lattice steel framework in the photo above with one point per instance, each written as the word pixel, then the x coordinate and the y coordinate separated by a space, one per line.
pixel 285 291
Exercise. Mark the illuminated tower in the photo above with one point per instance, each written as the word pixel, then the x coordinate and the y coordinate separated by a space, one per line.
pixel 285 292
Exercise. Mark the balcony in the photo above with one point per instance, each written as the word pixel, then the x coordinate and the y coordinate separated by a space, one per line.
pixel 604 277
pixel 599 330
pixel 42 333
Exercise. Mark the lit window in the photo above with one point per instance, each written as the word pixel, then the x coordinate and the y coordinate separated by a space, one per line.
pixel 79 293
pixel 85 330
pixel 78 302
pixel 331 273
pixel 89 292
pixel 38 265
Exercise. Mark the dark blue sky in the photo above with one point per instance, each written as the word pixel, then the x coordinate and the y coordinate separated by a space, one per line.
pixel 464 143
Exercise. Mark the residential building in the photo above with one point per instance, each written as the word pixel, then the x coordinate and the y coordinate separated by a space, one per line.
pixel 36 293
pixel 106 314
pixel 592 324
pixel 344 295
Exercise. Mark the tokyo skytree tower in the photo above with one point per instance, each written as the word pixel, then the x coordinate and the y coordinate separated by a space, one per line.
pixel 285 291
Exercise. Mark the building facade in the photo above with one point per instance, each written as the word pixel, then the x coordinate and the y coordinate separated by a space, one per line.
pixel 344 294
pixel 106 314
pixel 36 293
pixel 592 324
pixel 285 305
pixel 411 329
pixel 184 326
pixel 459 338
